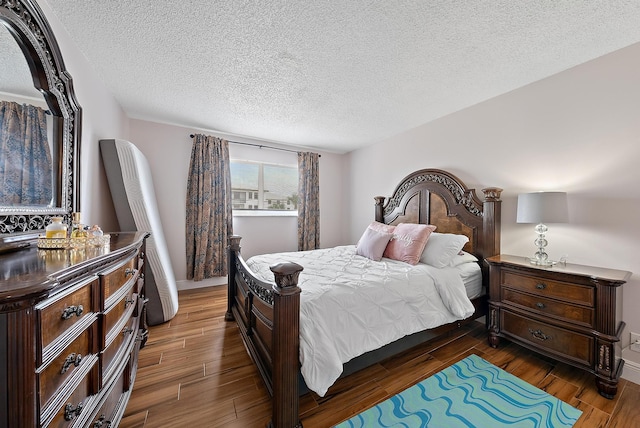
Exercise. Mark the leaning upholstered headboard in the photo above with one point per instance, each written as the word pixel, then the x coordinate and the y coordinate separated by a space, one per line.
pixel 433 196
pixel 136 208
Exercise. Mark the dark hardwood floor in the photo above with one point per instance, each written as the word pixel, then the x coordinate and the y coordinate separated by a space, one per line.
pixel 195 372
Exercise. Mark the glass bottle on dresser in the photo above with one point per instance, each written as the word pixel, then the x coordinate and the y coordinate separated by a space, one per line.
pixel 77 228
pixel 56 229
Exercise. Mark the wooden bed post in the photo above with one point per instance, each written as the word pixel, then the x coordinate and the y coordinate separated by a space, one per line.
pixel 286 340
pixel 234 247
pixel 379 208
pixel 491 221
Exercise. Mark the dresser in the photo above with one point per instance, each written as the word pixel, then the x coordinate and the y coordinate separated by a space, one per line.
pixel 568 312
pixel 71 326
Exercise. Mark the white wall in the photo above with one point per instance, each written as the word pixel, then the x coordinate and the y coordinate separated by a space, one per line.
pixel 577 131
pixel 102 117
pixel 168 150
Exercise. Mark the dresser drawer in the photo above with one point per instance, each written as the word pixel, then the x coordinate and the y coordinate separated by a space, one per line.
pixel 71 409
pixel 54 375
pixel 113 406
pixel 113 279
pixel 118 344
pixel 549 288
pixel 565 343
pixel 565 311
pixel 61 312
pixel 123 307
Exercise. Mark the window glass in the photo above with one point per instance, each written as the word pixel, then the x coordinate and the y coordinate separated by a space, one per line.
pixel 263 186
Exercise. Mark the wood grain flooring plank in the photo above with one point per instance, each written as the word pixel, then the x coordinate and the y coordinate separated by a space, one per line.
pixel 557 387
pixel 591 417
pixel 627 410
pixel 195 372
pixel 136 420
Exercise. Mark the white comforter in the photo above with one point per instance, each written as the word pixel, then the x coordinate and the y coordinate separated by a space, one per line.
pixel 350 305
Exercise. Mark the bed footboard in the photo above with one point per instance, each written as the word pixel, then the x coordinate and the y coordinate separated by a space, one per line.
pixel 268 316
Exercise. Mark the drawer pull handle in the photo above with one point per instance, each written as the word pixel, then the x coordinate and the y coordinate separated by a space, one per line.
pixel 71 412
pixel 541 286
pixel 539 335
pixel 100 423
pixel 72 359
pixel 127 330
pixel 70 311
pixel 129 271
pixel 540 305
pixel 129 301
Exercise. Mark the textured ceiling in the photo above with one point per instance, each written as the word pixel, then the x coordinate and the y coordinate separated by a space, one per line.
pixel 332 74
pixel 15 76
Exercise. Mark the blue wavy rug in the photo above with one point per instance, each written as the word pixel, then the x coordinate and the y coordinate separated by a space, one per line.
pixel 470 393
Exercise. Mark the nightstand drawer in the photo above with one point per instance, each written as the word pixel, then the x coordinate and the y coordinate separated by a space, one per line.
pixel 556 340
pixel 545 287
pixel 542 305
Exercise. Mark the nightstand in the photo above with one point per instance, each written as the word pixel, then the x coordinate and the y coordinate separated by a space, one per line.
pixel 568 312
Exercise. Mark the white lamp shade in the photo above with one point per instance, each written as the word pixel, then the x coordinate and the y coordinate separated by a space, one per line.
pixel 542 207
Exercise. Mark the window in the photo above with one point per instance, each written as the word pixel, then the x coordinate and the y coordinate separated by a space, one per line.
pixel 264 186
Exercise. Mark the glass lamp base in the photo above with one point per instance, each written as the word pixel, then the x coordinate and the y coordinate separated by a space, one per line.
pixel 541 258
pixel 547 263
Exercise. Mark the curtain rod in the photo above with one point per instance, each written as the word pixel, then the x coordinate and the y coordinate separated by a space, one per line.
pixel 260 146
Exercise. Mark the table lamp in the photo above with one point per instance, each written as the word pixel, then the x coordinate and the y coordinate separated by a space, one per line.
pixel 541 208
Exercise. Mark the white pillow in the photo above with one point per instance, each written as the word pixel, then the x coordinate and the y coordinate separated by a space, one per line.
pixel 461 258
pixel 441 248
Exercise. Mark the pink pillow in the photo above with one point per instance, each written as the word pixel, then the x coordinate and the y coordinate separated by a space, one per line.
pixel 408 242
pixel 381 227
pixel 372 243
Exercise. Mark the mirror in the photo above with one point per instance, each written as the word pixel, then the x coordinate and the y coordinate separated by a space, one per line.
pixel 34 74
pixel 26 162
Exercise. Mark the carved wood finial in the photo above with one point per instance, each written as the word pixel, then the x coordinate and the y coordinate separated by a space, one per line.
pixel 379 199
pixel 234 242
pixel 492 193
pixel 286 276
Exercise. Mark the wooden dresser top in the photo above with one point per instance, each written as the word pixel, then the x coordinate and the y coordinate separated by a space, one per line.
pixel 31 274
pixel 605 274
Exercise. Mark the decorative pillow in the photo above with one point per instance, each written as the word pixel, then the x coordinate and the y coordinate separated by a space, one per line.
pixel 381 227
pixel 372 243
pixel 408 242
pixel 461 258
pixel 442 248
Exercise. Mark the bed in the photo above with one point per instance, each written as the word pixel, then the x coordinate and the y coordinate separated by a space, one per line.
pixel 269 312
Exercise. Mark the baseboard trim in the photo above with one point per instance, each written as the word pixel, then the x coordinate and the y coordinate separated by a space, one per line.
pixel 210 282
pixel 631 370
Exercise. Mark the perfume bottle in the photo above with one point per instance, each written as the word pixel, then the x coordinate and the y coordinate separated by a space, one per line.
pixel 78 230
pixel 56 229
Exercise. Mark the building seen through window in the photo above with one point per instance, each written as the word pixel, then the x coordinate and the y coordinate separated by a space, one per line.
pixel 263 186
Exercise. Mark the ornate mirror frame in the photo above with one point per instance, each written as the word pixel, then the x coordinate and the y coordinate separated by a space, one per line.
pixel 27 24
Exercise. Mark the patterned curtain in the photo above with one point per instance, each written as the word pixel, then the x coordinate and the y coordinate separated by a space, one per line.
pixel 308 201
pixel 26 176
pixel 209 219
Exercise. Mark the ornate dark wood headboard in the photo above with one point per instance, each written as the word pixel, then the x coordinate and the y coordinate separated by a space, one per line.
pixel 433 196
